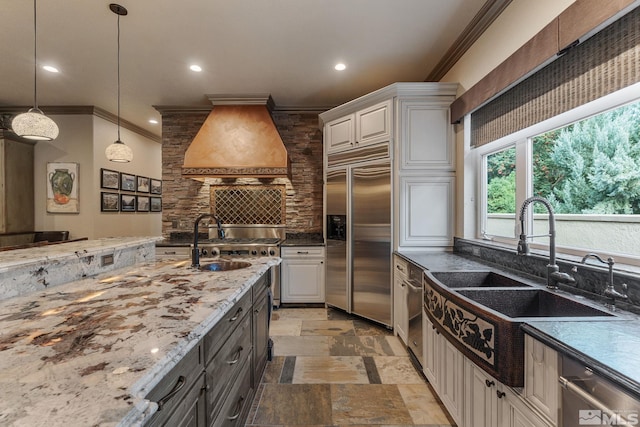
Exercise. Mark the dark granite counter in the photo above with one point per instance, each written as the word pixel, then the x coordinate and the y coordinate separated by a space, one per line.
pixel 303 239
pixel 443 261
pixel 610 348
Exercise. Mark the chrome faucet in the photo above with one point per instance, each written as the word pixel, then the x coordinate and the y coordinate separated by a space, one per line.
pixel 610 291
pixel 195 255
pixel 554 276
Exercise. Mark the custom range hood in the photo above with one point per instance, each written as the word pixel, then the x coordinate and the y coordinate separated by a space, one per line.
pixel 238 139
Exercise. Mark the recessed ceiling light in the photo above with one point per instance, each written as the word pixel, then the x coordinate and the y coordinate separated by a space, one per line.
pixel 340 67
pixel 195 68
pixel 153 121
pixel 50 69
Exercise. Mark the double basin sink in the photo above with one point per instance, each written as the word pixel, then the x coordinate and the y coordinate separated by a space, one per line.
pixel 481 313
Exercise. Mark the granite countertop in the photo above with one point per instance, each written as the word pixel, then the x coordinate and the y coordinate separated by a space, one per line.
pixel 607 346
pixel 302 242
pixel 87 352
pixel 62 251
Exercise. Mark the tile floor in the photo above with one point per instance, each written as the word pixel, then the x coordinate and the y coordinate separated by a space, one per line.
pixel 333 369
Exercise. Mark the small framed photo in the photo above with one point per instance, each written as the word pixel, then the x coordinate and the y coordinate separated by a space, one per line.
pixel 156 186
pixel 109 202
pixel 127 203
pixel 109 179
pixel 155 204
pixel 127 182
pixel 142 184
pixel 142 203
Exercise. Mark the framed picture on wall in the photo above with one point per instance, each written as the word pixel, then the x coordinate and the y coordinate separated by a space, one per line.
pixel 127 182
pixel 142 184
pixel 142 203
pixel 155 186
pixel 127 203
pixel 62 188
pixel 155 204
pixel 109 179
pixel 109 202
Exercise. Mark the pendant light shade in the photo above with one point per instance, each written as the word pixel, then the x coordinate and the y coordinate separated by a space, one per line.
pixel 34 124
pixel 118 151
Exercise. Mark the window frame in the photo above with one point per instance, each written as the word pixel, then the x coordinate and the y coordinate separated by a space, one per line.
pixel 523 142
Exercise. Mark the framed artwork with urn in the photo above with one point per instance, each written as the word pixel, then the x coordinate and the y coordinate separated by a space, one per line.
pixel 63 188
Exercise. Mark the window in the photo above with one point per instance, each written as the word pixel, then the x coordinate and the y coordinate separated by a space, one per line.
pixel 587 164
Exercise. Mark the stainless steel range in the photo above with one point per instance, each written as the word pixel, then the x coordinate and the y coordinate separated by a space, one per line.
pixel 245 241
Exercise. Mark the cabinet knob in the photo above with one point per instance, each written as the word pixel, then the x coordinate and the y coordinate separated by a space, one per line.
pixel 489 383
pixel 500 394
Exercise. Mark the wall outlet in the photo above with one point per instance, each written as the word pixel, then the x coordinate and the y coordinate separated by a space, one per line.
pixel 106 260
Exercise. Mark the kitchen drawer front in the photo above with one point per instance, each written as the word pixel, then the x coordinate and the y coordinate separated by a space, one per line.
pixel 302 252
pixel 226 365
pixel 189 411
pixel 261 286
pixel 400 267
pixel 236 407
pixel 217 336
pixel 173 388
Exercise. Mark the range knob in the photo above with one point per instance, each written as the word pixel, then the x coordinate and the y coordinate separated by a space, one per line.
pixel 263 252
pixel 272 252
pixel 254 252
pixel 215 251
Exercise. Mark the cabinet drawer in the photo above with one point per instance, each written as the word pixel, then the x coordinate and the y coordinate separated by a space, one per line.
pixel 238 402
pixel 188 412
pixel 302 252
pixel 400 267
pixel 227 363
pixel 173 252
pixel 217 336
pixel 261 285
pixel 173 388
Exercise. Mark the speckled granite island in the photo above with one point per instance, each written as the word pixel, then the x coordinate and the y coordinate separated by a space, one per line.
pixel 87 353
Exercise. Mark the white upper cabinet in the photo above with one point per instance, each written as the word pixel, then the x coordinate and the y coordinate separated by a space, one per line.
pixel 373 124
pixel 339 134
pixel 426 140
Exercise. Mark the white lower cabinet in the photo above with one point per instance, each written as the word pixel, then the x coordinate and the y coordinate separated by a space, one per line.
pixel 400 293
pixel 474 398
pixel 302 274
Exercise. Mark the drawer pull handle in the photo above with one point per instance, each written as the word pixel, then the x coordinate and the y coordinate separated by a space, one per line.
pixel 169 252
pixel 176 388
pixel 238 313
pixel 234 361
pixel 303 252
pixel 489 383
pixel 238 408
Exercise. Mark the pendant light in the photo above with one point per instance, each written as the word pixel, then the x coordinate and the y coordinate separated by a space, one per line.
pixel 119 151
pixel 34 124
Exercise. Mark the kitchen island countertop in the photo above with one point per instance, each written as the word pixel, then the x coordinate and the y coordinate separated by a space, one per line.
pixel 89 351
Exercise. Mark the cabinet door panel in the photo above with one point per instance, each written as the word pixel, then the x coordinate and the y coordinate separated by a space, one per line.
pixel 340 134
pixel 428 211
pixel 452 380
pixel 374 124
pixel 426 140
pixel 302 280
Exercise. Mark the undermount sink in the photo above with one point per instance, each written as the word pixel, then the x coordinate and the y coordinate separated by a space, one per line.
pixel 517 303
pixel 477 279
pixel 224 265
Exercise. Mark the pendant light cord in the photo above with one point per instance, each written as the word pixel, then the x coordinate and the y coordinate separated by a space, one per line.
pixel 35 56
pixel 118 78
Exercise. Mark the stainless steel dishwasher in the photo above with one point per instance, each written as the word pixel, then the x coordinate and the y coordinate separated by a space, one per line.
pixel 414 312
pixel 589 398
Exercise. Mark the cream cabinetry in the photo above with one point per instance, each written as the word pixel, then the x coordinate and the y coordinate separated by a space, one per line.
pixel 302 274
pixel 541 377
pixel 444 368
pixel 409 124
pixel 166 252
pixel 481 401
pixel 400 293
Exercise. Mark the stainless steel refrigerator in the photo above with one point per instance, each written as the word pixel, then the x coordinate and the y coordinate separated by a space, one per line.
pixel 358 265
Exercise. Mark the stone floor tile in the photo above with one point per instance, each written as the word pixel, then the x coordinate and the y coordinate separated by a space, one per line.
pixel 301 346
pixel 368 404
pixel 360 346
pixel 330 370
pixel 299 404
pixel 423 406
pixel 299 314
pixel 286 327
pixel 397 370
pixel 327 327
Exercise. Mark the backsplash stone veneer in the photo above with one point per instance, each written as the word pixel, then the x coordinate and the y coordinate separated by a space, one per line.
pixel 183 199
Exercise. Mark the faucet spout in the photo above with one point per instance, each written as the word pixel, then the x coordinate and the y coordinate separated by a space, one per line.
pixel 554 276
pixel 610 291
pixel 195 254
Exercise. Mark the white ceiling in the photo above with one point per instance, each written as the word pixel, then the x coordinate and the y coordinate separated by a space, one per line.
pixel 286 48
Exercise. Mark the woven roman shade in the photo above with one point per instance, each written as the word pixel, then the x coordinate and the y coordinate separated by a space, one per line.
pixel 606 62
